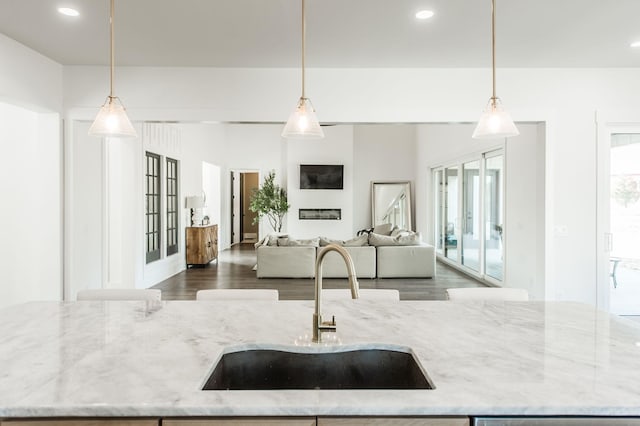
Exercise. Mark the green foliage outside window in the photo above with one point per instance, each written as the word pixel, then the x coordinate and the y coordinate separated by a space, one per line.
pixel 626 191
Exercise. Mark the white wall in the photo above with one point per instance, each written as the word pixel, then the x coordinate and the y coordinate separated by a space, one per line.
pixel 335 148
pixel 443 144
pixel 31 249
pixel 105 201
pixel 252 148
pixel 30 103
pixel 211 187
pixel 565 99
pixel 29 79
pixel 381 153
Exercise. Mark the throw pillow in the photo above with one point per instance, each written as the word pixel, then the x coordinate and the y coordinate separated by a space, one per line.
pixel 381 240
pixel 412 239
pixel 324 241
pixel 360 241
pixel 397 231
pixel 273 239
pixel 291 242
pixel 262 242
pixel 384 229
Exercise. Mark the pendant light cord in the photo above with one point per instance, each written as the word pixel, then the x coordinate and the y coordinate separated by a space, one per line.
pixel 493 46
pixel 112 52
pixel 304 37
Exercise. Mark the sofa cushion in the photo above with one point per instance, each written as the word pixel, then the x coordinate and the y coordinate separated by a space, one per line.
pixel 384 229
pixel 292 242
pixel 286 262
pixel 364 262
pixel 360 241
pixel 417 261
pixel 410 239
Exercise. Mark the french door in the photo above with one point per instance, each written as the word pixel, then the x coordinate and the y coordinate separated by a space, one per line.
pixel 619 220
pixel 469 212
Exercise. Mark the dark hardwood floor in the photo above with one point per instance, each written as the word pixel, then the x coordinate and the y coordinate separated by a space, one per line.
pixel 234 270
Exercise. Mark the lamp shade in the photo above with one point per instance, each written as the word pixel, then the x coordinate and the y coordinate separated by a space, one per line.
pixel 495 122
pixel 112 121
pixel 195 202
pixel 303 123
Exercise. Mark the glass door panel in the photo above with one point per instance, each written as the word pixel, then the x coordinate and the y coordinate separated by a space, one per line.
pixel 439 210
pixel 624 208
pixel 493 202
pixel 451 213
pixel 471 231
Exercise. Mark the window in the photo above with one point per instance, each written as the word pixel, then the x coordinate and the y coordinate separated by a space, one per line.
pixel 172 206
pixel 152 213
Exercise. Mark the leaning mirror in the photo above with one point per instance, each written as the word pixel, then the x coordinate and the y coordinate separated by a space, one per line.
pixel 391 203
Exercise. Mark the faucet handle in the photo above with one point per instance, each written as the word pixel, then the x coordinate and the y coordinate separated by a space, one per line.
pixel 329 326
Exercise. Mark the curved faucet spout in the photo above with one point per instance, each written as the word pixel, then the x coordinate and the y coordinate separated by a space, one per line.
pixel 318 325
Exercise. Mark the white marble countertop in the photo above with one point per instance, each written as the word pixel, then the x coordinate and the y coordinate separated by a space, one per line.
pixel 150 359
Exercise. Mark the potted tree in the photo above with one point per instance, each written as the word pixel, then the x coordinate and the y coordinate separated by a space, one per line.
pixel 270 200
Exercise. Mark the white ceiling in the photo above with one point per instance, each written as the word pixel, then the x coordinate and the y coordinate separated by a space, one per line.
pixel 340 33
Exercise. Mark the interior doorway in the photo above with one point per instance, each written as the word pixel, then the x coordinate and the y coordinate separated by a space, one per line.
pixel 243 228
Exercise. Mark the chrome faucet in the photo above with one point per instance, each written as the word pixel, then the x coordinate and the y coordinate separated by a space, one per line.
pixel 330 326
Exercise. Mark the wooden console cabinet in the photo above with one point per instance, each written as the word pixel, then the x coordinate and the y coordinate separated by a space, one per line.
pixel 202 244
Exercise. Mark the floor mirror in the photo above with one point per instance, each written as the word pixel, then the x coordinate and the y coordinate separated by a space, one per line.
pixel 391 203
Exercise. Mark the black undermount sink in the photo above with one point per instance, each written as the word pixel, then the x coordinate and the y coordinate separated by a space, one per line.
pixel 266 369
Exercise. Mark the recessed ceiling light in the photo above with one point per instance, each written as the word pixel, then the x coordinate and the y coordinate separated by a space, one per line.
pixel 635 44
pixel 424 14
pixel 68 11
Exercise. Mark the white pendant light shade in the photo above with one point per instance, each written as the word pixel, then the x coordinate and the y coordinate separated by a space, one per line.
pixel 112 121
pixel 112 118
pixel 495 122
pixel 303 122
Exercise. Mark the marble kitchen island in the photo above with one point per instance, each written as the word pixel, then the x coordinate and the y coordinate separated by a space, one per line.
pixel 144 359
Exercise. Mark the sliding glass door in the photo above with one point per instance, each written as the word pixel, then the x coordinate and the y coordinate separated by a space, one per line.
pixel 468 215
pixel 472 215
pixel 439 211
pixel 451 224
pixel 494 206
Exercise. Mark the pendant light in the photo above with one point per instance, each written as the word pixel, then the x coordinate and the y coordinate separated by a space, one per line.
pixel 303 123
pixel 112 118
pixel 495 122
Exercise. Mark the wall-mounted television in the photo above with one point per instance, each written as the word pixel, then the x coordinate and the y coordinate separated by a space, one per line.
pixel 321 176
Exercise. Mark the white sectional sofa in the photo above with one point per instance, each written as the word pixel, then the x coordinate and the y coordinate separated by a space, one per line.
pixel 364 261
pixel 406 261
pixel 413 261
pixel 286 262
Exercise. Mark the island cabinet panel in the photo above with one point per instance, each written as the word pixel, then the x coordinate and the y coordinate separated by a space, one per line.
pixel 393 421
pixel 82 422
pixel 243 421
pixel 202 244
